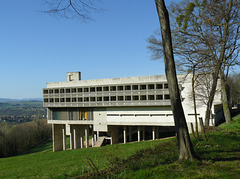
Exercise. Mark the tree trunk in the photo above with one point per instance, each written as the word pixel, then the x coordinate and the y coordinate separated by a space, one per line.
pixel 194 101
pixel 211 96
pixel 226 110
pixel 186 150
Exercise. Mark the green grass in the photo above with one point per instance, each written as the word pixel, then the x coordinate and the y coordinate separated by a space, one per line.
pixel 42 162
pixel 219 158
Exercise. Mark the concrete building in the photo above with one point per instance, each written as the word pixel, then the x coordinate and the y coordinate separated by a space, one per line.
pixel 119 110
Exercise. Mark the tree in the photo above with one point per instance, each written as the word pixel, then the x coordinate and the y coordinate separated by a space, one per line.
pixel 205 32
pixel 185 146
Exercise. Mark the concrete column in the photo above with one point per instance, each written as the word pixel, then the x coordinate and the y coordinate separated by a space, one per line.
pixel 87 136
pixel 97 135
pixel 143 131
pixel 71 137
pixel 139 133
pixel 81 136
pixel 93 140
pixel 130 134
pixel 114 134
pixel 74 138
pixel 57 137
pixel 153 133
pixel 64 136
pixel 157 131
pixel 124 134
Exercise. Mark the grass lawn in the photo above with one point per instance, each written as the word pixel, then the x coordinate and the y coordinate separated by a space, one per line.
pixel 42 162
pixel 219 158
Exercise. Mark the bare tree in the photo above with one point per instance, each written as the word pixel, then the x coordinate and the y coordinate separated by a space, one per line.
pixel 205 32
pixel 80 9
pixel 186 150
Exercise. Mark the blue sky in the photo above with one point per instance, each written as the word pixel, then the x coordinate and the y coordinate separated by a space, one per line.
pixel 36 48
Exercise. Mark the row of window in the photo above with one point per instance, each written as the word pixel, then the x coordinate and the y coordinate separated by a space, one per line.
pixel 106 88
pixel 109 98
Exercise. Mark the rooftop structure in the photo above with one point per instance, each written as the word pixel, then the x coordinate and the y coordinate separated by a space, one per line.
pixel 120 109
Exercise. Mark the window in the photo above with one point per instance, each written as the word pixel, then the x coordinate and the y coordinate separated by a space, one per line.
pixel 135 98
pixel 135 87
pixel 113 98
pixel 86 90
pixel 99 98
pixel 74 100
pixel 106 98
pixel 92 89
pixel 51 100
pixel 45 100
pixel 62 90
pixel 86 99
pixel 56 100
pixel 62 100
pixel 128 87
pixel 165 86
pixel 68 90
pixel 159 86
pixel 68 100
pixel 74 90
pixel 166 96
pixel 143 97
pixel 159 97
pixel 120 88
pixel 80 99
pixel 120 98
pixel 127 98
pixel 151 86
pixel 92 99
pixel 143 87
pixel 105 88
pixel 45 91
pixel 99 88
pixel 56 91
pixel 79 90
pixel 113 88
pixel 150 97
pixel 50 91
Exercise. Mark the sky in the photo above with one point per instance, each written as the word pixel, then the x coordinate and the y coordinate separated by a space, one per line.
pixel 36 48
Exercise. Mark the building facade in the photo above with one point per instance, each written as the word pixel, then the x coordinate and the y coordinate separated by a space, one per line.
pixel 119 110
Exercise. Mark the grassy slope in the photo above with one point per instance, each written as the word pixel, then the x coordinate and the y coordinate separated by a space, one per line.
pixel 220 158
pixel 42 162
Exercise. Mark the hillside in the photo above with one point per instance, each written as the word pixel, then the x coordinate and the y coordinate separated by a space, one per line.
pixel 219 158
pixel 19 111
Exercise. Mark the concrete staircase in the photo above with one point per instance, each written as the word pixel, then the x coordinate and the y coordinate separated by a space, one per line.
pixel 99 142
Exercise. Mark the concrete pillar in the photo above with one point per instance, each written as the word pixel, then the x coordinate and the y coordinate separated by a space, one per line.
pixel 139 133
pixel 64 136
pixel 57 137
pixel 71 137
pixel 93 140
pixel 87 136
pixel 97 135
pixel 114 134
pixel 81 138
pixel 157 133
pixel 130 134
pixel 74 138
pixel 143 131
pixel 153 133
pixel 124 134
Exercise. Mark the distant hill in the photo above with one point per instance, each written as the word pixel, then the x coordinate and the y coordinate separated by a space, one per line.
pixel 24 99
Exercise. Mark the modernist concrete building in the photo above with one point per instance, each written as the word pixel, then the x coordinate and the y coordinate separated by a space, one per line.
pixel 120 109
